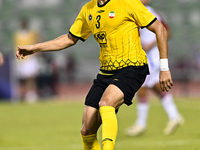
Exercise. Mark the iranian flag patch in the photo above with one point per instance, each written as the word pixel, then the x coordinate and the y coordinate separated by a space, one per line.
pixel 112 14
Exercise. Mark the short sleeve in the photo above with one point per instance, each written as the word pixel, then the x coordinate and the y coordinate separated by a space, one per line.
pixel 140 14
pixel 80 28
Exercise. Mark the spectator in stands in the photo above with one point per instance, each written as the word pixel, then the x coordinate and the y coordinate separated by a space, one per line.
pixel 28 69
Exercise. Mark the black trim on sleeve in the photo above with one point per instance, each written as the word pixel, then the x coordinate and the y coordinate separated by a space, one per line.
pixel 150 23
pixel 76 36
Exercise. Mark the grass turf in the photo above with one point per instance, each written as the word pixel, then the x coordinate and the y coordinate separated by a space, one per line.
pixel 55 125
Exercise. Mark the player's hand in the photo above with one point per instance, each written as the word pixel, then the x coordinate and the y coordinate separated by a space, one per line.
pixel 23 51
pixel 165 80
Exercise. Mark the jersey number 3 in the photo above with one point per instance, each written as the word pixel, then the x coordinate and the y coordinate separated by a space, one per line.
pixel 98 18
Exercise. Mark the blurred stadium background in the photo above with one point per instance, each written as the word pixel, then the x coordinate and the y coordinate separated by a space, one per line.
pixel 53 18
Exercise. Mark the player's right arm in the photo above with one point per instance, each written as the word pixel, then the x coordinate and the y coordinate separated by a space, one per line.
pixel 79 30
pixel 57 44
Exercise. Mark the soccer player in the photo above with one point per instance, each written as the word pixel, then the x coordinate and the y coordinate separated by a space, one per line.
pixel 124 66
pixel 1 59
pixel 149 44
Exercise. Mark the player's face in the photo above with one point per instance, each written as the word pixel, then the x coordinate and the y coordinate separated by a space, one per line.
pixel 145 2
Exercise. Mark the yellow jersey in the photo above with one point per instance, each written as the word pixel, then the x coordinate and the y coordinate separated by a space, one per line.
pixel 115 26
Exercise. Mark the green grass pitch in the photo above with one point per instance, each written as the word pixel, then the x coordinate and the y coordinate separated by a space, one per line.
pixel 55 125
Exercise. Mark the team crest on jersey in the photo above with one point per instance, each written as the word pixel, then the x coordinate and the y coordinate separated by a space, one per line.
pixel 90 17
pixel 112 14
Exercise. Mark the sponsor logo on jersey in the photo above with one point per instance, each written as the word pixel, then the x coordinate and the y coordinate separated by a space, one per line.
pixel 100 11
pixel 112 14
pixel 101 38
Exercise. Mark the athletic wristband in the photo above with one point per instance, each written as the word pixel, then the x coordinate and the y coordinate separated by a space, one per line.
pixel 164 64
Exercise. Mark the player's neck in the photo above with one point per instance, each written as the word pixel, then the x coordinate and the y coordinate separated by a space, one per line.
pixel 101 2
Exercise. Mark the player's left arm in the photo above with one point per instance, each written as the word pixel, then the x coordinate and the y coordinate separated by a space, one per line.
pixel 149 46
pixel 167 28
pixel 162 42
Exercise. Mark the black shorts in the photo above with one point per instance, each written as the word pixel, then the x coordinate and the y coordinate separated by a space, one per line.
pixel 128 80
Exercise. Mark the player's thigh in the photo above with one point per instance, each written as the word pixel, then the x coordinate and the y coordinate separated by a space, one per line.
pixel 112 96
pixel 91 121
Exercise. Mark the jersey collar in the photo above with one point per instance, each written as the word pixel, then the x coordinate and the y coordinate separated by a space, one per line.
pixel 103 4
